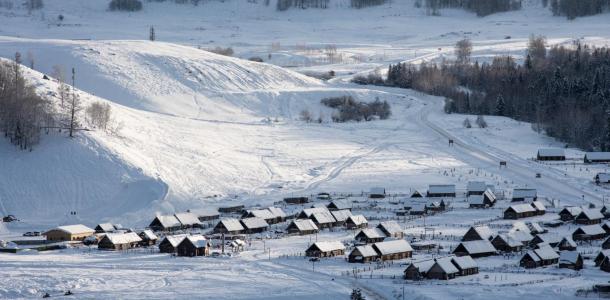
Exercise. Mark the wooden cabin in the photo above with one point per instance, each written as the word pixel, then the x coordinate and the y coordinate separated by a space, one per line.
pixel 596 157
pixel 417 271
pixel 505 243
pixel 341 216
pixel 476 188
pixel 589 217
pixel 105 228
pixel 551 154
pixel 323 219
pixel 193 245
pixel 69 233
pixel 539 208
pixel 254 225
pixel 570 260
pixel 519 211
pixel 530 260
pixel 231 209
pixel 188 220
pixel 377 193
pixel 356 222
pixel 165 223
pixel 340 204
pixel 296 200
pixel 325 249
pixel 525 194
pixel 170 242
pixel 363 254
pixel 550 239
pixel 605 265
pixel 442 269
pixel 600 257
pixel 589 232
pixel 436 206
pixel 302 227
pixel 229 226
pixel 441 190
pixel 119 241
pixel 206 215
pixel 567 244
pixel 606 244
pixel 569 213
pixel 391 229
pixel 475 249
pixel 485 200
pixel 148 237
pixel 476 233
pixel 370 235
pixel 465 265
pixel 392 250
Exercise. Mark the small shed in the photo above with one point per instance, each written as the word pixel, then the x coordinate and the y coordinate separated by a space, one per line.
pixel 325 249
pixel 193 245
pixel 589 232
pixel 551 154
pixel 149 238
pixel 602 178
pixel 229 226
pixel 370 235
pixel 377 193
pixel 302 227
pixel 476 233
pixel 524 194
pixel 441 190
pixel 596 157
pixel 357 221
pixel 475 249
pixel 363 254
pixel 570 260
pixel 391 229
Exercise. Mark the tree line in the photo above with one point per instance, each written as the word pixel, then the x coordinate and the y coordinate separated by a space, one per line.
pixel 564 91
pixel 480 7
pixel 577 8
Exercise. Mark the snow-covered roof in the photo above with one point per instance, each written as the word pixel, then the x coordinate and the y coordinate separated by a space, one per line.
pixel 533 255
pixel 254 223
pixel 592 214
pixel 310 211
pixel 546 252
pixel 367 251
pixel 476 199
pixel 550 238
pixel 446 265
pixel 573 210
pixel 174 240
pixel 341 204
pixel 341 215
pixel 538 205
pixel 483 231
pixel 523 236
pixel 521 226
pixel 525 193
pixel 510 240
pixel 535 227
pixel 206 212
pixel 329 246
pixel 598 155
pixel 262 213
pixel 377 191
pixel 419 207
pixel 123 238
pixel 198 240
pixel 305 224
pixel 372 233
pixel 106 227
pixel 464 262
pixel 277 212
pixel 232 224
pixel 604 177
pixel 569 257
pixel 392 247
pixel 169 221
pixel 187 218
pixel 441 188
pixel 358 219
pixel 476 186
pixel 75 229
pixel 522 208
pixel 323 217
pixel 568 240
pixel 592 229
pixel 479 246
pixel 390 226
pixel 545 152
pixel 424 266
pixel 150 234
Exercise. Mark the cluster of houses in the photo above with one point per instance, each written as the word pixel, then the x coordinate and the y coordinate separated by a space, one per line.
pixel 106 236
pixel 444 268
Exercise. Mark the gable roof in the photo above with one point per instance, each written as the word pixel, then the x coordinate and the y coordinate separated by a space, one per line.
pixel 568 240
pixel 168 221
pixel 323 217
pixel 341 204
pixel 591 229
pixel 508 240
pixel 545 152
pixel 538 206
pixel 174 240
pixel 392 247
pixel 483 231
pixel 366 251
pixel 424 265
pixel 532 255
pixel 446 265
pixel 550 238
pixel 262 213
pixel 310 211
pixel 535 227
pixel 206 212
pixel 341 215
pixel 464 262
pixel 476 199
pixel 597 155
pixel 569 257
pixel 123 238
pixel 441 188
pixel 519 235
pixel 591 214
pixel 198 240
pixel 232 224
pixel 277 212
pixel 254 223
pixel 476 186
pixel 358 219
pixel 372 233
pixel 478 247
pixel 390 226
pixel 521 226
pixel 522 208
pixel 187 218
pixel 75 229
pixel 106 227
pixel 329 246
pixel 525 193
pixel 149 234
pixel 305 224
pixel 546 253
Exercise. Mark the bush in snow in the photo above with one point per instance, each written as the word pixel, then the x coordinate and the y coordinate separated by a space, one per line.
pixel 305 116
pixel 222 51
pixel 467 123
pixel 352 110
pixel 125 5
pixel 481 122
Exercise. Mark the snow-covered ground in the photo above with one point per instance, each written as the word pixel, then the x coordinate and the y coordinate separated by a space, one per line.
pixel 201 130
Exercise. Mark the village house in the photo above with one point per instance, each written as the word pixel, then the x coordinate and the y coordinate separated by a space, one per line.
pixel 148 237
pixel 238 208
pixel 325 249
pixel 602 178
pixel 442 269
pixel 436 206
pixel 485 200
pixel 302 227
pixel 264 214
pixel 105 228
pixel 363 254
pixel 416 194
pixel 170 242
pixel 441 190
pixel 296 200
pixel 596 157
pixel 278 214
pixel 535 228
pixel 552 154
pixel 254 225
pixel 519 211
pixel 539 207
pixel 391 229
pixel 119 241
pixel 465 265
pixel 308 212
pixel 605 210
pixel 570 260
pixel 229 226
pixel 165 223
pixel 418 270
pixel 188 220
pixel 478 233
pixel 340 204
pixel 606 244
pixel 323 219
pixel 520 195
pixel 541 257
pixel 392 250
pixel 377 193
pixel 589 217
pixel 589 232
pixel 418 209
pixel 504 243
pixel 530 260
pixel 475 249
pixel 523 236
pixel 370 235
pixel 476 188
pixel 569 213
pixel 605 265
pixel 606 227
pixel 323 196
pixel 341 216
pixel 601 256
pixel 551 239
pixel 356 222
pixel 69 233
pixel 567 244
pixel 193 245
pixel 206 215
